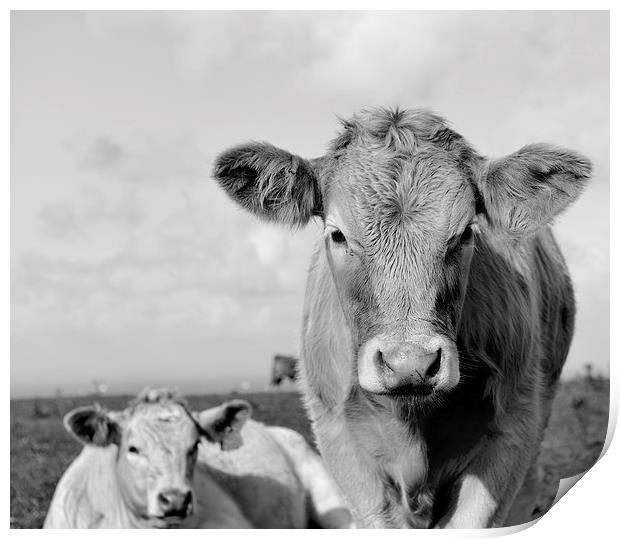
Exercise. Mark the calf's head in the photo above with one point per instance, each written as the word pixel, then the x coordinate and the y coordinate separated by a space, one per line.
pixel 157 439
pixel 403 198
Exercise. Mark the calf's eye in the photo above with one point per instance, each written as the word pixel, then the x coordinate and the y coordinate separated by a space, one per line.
pixel 133 449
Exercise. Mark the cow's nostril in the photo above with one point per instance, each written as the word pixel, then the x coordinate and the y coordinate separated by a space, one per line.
pixel 164 501
pixel 187 500
pixel 435 365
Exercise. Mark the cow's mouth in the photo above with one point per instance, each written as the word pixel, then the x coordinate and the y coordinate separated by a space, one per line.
pixel 169 521
pixel 412 390
pixel 172 519
pixel 424 397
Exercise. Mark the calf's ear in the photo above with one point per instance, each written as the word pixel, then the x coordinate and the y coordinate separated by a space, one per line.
pixel 270 182
pixel 93 426
pixel 223 423
pixel 525 190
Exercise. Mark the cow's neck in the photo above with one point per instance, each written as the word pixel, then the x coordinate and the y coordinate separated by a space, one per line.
pixel 416 446
pixel 383 428
pixel 500 315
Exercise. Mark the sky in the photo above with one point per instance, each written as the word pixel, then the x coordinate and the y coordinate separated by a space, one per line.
pixel 129 266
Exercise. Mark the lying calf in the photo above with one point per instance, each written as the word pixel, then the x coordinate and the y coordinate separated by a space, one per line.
pixel 158 465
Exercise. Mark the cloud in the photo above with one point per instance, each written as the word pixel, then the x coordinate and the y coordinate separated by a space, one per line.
pixel 139 158
pixel 499 75
pixel 265 240
pixel 165 256
pixel 75 219
pixel 101 154
pixel 211 41
pixel 127 292
pixel 59 219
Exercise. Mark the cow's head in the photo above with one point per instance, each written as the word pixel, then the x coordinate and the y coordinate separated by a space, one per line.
pixel 402 198
pixel 157 439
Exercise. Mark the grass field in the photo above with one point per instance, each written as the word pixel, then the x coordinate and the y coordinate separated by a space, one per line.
pixel 41 450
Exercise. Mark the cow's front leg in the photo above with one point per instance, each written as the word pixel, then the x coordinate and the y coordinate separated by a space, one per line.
pixel 355 472
pixel 490 483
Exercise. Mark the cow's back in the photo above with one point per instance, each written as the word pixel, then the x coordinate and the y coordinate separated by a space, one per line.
pixel 259 476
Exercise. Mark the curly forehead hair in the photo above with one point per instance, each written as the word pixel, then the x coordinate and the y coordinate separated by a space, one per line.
pixel 160 396
pixel 403 131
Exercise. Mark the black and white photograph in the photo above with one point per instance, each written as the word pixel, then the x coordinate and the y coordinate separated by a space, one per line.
pixel 307 269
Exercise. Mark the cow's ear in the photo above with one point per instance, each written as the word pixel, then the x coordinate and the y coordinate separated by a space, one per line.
pixel 93 426
pixel 269 182
pixel 524 191
pixel 223 423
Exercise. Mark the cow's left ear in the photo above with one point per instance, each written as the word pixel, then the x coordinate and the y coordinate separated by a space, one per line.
pixel 524 191
pixel 91 425
pixel 223 423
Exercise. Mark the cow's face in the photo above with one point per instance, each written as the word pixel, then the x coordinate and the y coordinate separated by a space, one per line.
pixel 399 240
pixel 402 198
pixel 156 459
pixel 158 441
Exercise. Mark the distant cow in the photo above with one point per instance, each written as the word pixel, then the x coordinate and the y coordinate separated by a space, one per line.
pixel 438 311
pixel 283 367
pixel 158 465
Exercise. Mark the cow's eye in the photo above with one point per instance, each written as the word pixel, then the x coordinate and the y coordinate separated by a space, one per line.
pixel 338 237
pixel 133 449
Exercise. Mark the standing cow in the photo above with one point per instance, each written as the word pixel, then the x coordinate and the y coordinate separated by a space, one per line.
pixel 438 313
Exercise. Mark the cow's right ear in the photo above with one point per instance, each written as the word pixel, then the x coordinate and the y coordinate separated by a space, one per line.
pixel 93 426
pixel 270 182
pixel 223 423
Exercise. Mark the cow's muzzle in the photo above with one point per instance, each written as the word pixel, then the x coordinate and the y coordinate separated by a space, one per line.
pixel 416 367
pixel 175 503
